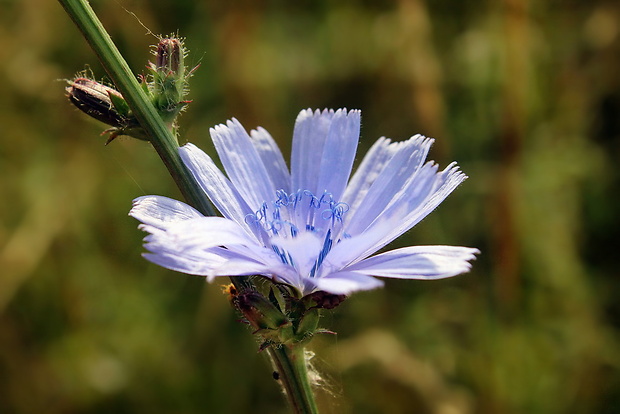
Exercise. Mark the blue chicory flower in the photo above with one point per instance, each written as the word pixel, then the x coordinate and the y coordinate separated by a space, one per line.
pixel 313 228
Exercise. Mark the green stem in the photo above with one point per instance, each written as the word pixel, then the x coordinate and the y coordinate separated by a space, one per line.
pixel 292 370
pixel 161 137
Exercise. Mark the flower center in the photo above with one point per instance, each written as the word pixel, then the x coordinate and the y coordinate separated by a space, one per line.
pixel 290 214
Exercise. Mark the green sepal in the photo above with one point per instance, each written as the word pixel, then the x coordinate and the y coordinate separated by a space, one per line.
pixel 307 325
pixel 275 301
pixel 145 87
pixel 120 105
pixel 260 312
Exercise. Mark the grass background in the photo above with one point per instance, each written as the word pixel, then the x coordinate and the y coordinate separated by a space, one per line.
pixel 524 95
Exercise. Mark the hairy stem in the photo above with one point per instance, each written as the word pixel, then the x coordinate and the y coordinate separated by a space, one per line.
pixel 292 373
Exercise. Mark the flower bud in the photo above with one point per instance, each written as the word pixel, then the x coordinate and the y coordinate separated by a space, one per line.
pixel 169 84
pixel 105 104
pixel 169 55
pixel 94 99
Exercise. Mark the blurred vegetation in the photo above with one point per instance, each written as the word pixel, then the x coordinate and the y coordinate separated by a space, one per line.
pixel 525 95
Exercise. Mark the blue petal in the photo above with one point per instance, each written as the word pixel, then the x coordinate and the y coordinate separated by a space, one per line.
pixel 391 182
pixel 272 159
pixel 218 188
pixel 181 261
pixel 369 169
pixel 207 232
pixel 417 199
pixel 418 262
pixel 242 163
pixel 303 250
pixel 159 211
pixel 339 153
pixel 309 138
pixel 324 145
pixel 210 263
pixel 353 249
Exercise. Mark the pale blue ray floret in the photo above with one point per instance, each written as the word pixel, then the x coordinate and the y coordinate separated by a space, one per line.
pixel 312 228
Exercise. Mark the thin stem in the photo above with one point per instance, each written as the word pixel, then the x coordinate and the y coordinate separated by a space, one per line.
pixel 292 373
pixel 161 137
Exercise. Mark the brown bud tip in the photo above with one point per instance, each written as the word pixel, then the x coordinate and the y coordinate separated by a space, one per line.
pixel 168 55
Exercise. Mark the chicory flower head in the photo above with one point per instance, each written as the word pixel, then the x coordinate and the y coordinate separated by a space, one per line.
pixel 312 228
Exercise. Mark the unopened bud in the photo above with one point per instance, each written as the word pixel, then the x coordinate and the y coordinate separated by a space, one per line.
pixel 169 84
pixel 169 55
pixel 94 99
pixel 165 86
pixel 105 104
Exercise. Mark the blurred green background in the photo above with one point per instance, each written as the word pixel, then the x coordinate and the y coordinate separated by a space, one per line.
pixel 524 95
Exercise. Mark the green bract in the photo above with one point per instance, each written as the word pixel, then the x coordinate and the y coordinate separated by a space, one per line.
pixel 280 320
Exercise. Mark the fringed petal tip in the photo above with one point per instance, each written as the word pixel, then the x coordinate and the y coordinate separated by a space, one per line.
pixel 309 113
pixel 223 128
pixel 421 141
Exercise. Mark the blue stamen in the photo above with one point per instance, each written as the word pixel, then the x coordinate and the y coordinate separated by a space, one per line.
pixel 272 217
pixel 277 219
